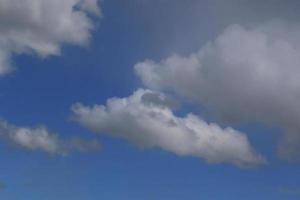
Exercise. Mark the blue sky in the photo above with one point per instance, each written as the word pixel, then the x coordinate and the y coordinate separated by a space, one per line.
pixel 140 147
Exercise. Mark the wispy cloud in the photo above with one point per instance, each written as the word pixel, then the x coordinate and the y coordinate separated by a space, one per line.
pixel 41 139
pixel 289 190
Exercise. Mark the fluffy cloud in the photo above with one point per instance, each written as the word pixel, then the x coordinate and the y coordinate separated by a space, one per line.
pixel 145 119
pixel 42 26
pixel 41 139
pixel 246 74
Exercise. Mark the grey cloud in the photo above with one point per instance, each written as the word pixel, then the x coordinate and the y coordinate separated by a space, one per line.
pixel 158 99
pixel 90 6
pixel 154 124
pixel 244 75
pixel 42 140
pixel 182 26
pixel 41 27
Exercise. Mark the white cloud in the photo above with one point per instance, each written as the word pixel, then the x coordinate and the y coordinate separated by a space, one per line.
pixel 41 139
pixel 146 120
pixel 244 75
pixel 42 26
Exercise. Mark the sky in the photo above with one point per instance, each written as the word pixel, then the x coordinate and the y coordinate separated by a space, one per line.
pixel 149 99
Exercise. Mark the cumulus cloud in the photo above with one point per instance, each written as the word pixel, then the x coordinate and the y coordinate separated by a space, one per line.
pixel 41 26
pixel 145 119
pixel 246 74
pixel 41 139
